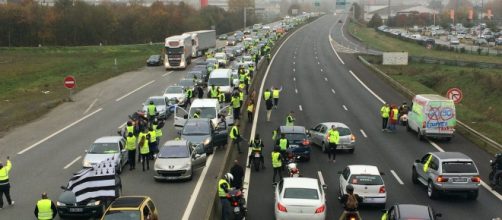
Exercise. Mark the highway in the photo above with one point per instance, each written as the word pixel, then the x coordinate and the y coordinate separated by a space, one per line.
pixel 320 85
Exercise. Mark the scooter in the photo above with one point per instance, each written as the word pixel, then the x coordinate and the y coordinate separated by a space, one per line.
pixel 237 203
pixel 256 156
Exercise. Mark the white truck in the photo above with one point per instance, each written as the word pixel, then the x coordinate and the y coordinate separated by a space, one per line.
pixel 202 41
pixel 178 51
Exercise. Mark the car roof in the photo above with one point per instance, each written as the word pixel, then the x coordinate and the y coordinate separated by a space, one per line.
pixel 220 73
pixel 175 143
pixel 129 201
pixel 451 155
pixel 198 103
pixel 109 139
pixel 364 169
pixel 292 129
pixel 337 124
pixel 300 182
pixel 412 211
pixel 433 97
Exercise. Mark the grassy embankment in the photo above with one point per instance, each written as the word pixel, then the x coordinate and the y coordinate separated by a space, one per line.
pixel 25 73
pixel 482 88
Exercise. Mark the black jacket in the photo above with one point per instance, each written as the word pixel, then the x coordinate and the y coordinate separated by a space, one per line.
pixel 238 172
pixel 345 198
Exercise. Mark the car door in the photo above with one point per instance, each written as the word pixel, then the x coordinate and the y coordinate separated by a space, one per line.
pixel 155 213
pixel 322 134
pixel 198 156
pixel 180 117
pixel 229 117
pixel 219 135
pixel 344 178
pixel 313 134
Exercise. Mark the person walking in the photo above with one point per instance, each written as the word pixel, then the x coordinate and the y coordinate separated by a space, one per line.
pixel 238 172
pixel 277 164
pixel 223 189
pixel 384 112
pixel 333 138
pixel 283 144
pixel 267 96
pixel 45 208
pixel 236 105
pixel 290 120
pixel 4 182
pixel 235 137
pixel 189 95
pixel 152 143
pixel 250 109
pixel 131 151
pixel 393 118
pixel 144 149
pixel 213 92
pixel 275 96
pixel 221 96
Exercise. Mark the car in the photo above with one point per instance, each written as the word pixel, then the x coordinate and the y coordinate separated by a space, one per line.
pixel 154 60
pixel 203 68
pixel 319 133
pixel 498 41
pixel 177 160
pixel 247 31
pixel 454 41
pixel 105 148
pixel 432 116
pixel 221 58
pixel 410 211
pixel 187 83
pixel 222 37
pixel 447 172
pixel 161 105
pixel 367 182
pixel 211 62
pixel 299 143
pixel 202 131
pixel 196 75
pixel 480 42
pixel 230 52
pixel 177 93
pixel 231 41
pixel 132 208
pixel 300 198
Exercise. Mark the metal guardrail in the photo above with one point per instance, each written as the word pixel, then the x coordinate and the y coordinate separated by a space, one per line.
pixel 486 140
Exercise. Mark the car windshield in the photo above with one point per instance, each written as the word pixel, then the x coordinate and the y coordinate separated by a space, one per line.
pixel 219 81
pixel 366 180
pixel 156 101
pixel 174 152
pixel 186 82
pixel 196 128
pixel 122 215
pixel 194 73
pixel 154 57
pixel 459 167
pixel 104 148
pixel 344 131
pixel 296 136
pixel 205 112
pixel 174 90
pixel 301 193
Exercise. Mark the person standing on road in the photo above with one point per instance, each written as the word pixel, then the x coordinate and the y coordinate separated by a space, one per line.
pixel 4 182
pixel 152 112
pixel 277 164
pixel 393 118
pixel 290 120
pixel 152 143
pixel 189 95
pixel 129 129
pixel 238 172
pixel 144 149
pixel 283 144
pixel 275 96
pixel 250 110
pixel 221 96
pixel 267 95
pixel 131 151
pixel 200 92
pixel 213 92
pixel 45 208
pixel 333 138
pixel 223 189
pixel 235 137
pixel 236 105
pixel 384 112
pixel 157 127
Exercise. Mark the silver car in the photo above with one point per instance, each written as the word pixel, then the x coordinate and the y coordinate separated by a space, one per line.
pixel 177 159
pixel 106 148
pixel 160 103
pixel 447 172
pixel 177 93
pixel 318 135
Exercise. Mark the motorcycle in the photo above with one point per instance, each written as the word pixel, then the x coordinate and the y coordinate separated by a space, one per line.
pixel 256 160
pixel 351 215
pixel 293 171
pixel 237 203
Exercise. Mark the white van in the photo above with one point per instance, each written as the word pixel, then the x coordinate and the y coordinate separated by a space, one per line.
pixel 208 108
pixel 432 116
pixel 221 78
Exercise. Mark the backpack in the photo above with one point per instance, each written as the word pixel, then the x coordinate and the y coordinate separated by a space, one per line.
pixel 351 202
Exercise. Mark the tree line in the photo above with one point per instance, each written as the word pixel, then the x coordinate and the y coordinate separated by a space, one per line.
pixel 71 23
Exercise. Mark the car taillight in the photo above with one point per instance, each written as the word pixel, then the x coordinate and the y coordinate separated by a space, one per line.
pixel 235 203
pixel 476 179
pixel 441 179
pixel 306 142
pixel 382 189
pixel 281 208
pixel 353 138
pixel 320 209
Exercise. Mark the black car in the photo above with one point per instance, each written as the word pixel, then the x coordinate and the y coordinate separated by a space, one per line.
pixel 410 211
pixel 154 60
pixel 298 141
pixel 196 75
pixel 203 69
pixel 201 130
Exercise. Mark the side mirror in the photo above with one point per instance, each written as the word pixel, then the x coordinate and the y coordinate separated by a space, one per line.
pixel 417 161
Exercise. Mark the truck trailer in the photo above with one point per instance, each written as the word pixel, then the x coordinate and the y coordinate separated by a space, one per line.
pixel 202 41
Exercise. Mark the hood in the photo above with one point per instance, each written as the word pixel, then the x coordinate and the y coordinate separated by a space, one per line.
pixel 195 139
pixel 97 158
pixel 174 95
pixel 172 163
pixel 67 197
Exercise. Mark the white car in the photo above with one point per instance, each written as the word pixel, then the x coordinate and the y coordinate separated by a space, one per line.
pixel 300 198
pixel 367 182
pixel 176 92
pixel 106 148
pixel 222 58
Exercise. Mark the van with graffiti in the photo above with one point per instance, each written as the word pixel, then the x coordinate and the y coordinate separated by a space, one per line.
pixel 432 116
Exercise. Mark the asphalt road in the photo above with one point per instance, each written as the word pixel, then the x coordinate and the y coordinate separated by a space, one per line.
pixel 319 87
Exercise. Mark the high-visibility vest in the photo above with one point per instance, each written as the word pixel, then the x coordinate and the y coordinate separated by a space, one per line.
pixel 214 92
pixel 44 209
pixel 130 129
pixel 426 164
pixel 221 191
pixel 151 109
pixel 232 135
pixel 241 96
pixel 396 112
pixel 236 102
pixel 283 144
pixel 158 131
pixel 153 136
pixel 333 136
pixel 266 95
pixel 242 85
pixel 131 143
pixel 275 93
pixel 384 216
pixel 189 93
pixel 196 115
pixel 250 107
pixel 221 97
pixel 274 134
pixel 143 149
pixel 256 146
pixel 290 120
pixel 4 173
pixel 276 161
pixel 242 77
pixel 384 111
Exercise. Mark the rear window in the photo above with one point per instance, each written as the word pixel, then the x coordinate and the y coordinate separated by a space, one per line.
pixel 344 131
pixel 300 193
pixel 366 180
pixel 459 167
pixel 296 136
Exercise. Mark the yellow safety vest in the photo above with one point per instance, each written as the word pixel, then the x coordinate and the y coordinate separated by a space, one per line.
pixel 274 134
pixel 426 165
pixel 236 102
pixel 232 136
pixel 290 120
pixel 195 115
pixel 151 110
pixel 130 129
pixel 396 112
pixel 266 95
pixel 189 93
pixel 221 191
pixel 221 97
pixel 44 209
pixel 214 92
pixel 384 216
pixel 333 136
pixel 153 136
pixel 4 173
pixel 275 93
pixel 131 143
pixel 241 96
pixel 143 149
pixel 256 146
pixel 250 107
pixel 158 131
pixel 283 143
pixel 384 111
pixel 276 161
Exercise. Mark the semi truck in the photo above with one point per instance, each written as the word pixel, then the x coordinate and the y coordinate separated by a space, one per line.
pixel 202 41
pixel 178 51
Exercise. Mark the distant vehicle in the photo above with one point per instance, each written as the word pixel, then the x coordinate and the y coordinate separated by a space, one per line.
pixel 299 143
pixel 177 93
pixel 230 52
pixel 161 104
pixel 266 28
pixel 208 108
pixel 432 116
pixel 460 36
pixel 222 59
pixel 196 75
pixel 202 41
pixel 154 60
pixel 105 148
pixel 480 42
pixel 454 41
pixel 201 131
pixel 444 172
pixel 498 41
pixel 367 182
pixel 187 83
pixel 300 198
pixel 132 208
pixel 231 41
pixel 178 52
pixel 411 211
pixel 247 31
pixel 222 79
pixel 222 37
pixel 319 133
pixel 257 27
pixel 202 67
pixel 177 159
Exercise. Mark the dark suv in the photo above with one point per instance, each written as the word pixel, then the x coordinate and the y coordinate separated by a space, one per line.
pixel 299 143
pixel 201 130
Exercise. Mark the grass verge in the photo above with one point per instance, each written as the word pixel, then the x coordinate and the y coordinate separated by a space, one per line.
pixel 26 74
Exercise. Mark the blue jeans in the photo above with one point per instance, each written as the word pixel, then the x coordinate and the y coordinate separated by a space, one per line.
pixel 225 208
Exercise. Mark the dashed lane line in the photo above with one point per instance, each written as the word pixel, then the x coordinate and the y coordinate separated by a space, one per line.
pixel 333 91
pixel 133 91
pixel 300 107
pixel 397 177
pixel 363 133
pixel 165 74
pixel 72 162
pixel 345 107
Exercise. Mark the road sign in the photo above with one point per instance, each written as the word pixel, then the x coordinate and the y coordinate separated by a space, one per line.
pixel 70 82
pixel 455 94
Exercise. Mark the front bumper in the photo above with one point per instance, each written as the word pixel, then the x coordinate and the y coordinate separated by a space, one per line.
pixel 80 211
pixel 172 174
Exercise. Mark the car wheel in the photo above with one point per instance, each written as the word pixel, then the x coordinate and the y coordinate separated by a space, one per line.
pixel 323 146
pixel 414 176
pixel 431 191
pixel 472 195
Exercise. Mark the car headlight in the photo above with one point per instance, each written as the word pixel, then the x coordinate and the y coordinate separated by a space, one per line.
pixel 60 204
pixel 86 163
pixel 207 141
pixel 186 167
pixel 93 203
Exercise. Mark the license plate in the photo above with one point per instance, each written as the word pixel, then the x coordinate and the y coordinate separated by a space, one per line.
pixel 293 146
pixel 256 155
pixel 237 209
pixel 76 209
pixel 368 199
pixel 459 180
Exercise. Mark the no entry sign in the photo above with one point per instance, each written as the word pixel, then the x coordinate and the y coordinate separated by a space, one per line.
pixel 455 94
pixel 70 82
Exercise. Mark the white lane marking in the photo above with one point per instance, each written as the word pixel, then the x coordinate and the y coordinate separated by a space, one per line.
pixel 59 131
pixel 332 47
pixel 196 191
pixel 436 146
pixel 322 70
pixel 366 87
pixel 345 107
pixel 294 70
pixel 133 91
pixel 326 79
pixel 321 178
pixel 296 90
pixel 165 74
pixel 90 106
pixel 294 57
pixel 300 107
pixel 72 162
pixel 294 78
pixel 247 175
pixel 364 133
pixel 333 91
pixel 316 57
pixel 397 177
pixel 318 63
pixel 122 125
pixel 294 63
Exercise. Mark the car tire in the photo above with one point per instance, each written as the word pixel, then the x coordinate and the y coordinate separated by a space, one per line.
pixel 323 147
pixel 472 195
pixel 414 176
pixel 431 191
